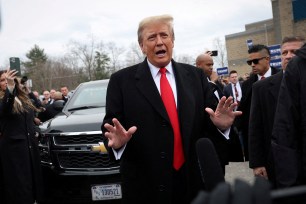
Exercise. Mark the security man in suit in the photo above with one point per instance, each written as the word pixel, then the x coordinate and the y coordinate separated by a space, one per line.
pixel 259 60
pixel 288 134
pixel 263 106
pixel 227 150
pixel 234 87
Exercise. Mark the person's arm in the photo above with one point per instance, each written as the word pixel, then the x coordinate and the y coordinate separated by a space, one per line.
pixel 8 98
pixel 286 136
pixel 7 103
pixel 256 134
pixel 37 103
pixel 224 116
pixel 115 136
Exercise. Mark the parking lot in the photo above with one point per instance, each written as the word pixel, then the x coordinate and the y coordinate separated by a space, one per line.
pixel 239 170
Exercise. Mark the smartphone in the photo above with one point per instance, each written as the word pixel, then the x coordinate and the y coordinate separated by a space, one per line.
pixel 214 53
pixel 15 64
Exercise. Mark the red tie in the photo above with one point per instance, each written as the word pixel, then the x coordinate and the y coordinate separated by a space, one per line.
pixel 262 78
pixel 236 93
pixel 169 102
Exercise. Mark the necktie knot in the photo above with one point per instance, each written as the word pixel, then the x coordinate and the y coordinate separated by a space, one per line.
pixel 163 70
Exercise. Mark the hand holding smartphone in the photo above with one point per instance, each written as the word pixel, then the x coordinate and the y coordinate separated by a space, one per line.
pixel 15 64
pixel 214 53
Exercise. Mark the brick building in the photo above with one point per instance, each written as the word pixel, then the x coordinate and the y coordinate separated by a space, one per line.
pixel 289 18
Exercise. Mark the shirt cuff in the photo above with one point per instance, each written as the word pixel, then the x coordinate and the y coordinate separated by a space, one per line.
pixel 118 153
pixel 225 133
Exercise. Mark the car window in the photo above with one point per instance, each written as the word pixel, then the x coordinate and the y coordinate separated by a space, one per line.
pixel 88 95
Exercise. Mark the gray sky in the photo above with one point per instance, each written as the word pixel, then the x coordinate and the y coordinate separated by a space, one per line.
pixel 51 24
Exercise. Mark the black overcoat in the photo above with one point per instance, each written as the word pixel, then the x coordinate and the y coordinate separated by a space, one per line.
pixel 146 164
pixel 289 131
pixel 263 107
pixel 20 173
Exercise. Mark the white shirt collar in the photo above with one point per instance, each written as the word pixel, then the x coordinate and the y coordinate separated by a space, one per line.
pixel 155 70
pixel 267 74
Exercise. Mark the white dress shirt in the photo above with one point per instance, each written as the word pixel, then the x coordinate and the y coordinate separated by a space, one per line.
pixel 238 87
pixel 266 75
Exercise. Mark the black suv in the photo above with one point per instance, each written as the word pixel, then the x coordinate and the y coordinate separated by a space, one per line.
pixel 74 169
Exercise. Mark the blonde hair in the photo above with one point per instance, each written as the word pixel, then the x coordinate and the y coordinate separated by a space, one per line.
pixel 166 19
pixel 58 95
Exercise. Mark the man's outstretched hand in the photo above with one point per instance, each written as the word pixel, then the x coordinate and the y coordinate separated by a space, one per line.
pixel 117 135
pixel 224 115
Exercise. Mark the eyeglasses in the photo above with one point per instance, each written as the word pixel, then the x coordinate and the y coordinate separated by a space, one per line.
pixel 255 61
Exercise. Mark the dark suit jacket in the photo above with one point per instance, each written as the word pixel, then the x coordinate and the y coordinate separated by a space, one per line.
pixel 146 163
pixel 50 112
pixel 289 131
pixel 231 150
pixel 228 90
pixel 242 122
pixel 263 106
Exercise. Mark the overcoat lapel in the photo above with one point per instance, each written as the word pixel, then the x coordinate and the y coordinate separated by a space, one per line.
pixel 146 85
pixel 275 84
pixel 185 101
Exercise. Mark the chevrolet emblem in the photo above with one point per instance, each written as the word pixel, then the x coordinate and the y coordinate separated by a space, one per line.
pixel 99 148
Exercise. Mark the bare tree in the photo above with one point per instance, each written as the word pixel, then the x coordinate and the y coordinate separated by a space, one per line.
pixel 84 54
pixel 134 55
pixel 55 74
pixel 114 53
pixel 221 59
pixel 184 58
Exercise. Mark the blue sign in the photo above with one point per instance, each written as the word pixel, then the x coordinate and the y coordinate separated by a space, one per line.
pixel 275 60
pixel 222 71
pixel 298 8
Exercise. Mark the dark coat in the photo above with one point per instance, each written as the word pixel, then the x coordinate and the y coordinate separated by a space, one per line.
pixel 146 164
pixel 20 173
pixel 263 107
pixel 49 112
pixel 242 122
pixel 289 131
pixel 230 150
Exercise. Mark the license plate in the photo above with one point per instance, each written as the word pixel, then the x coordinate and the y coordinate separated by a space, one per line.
pixel 106 192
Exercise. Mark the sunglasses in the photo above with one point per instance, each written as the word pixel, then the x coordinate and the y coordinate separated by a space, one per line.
pixel 254 61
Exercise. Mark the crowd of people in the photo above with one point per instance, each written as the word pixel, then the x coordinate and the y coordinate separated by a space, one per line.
pixel 158 109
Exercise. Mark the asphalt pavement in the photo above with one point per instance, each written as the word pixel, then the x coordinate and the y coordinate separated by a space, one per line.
pixel 238 170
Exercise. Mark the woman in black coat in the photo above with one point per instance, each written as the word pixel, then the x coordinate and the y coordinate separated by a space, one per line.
pixel 20 175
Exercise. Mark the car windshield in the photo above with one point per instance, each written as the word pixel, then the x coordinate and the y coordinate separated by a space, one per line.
pixel 88 96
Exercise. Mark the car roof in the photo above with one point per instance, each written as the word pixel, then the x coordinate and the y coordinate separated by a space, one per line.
pixel 96 81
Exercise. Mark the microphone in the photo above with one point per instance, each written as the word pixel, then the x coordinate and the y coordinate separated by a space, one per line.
pixel 210 166
pixel 295 194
